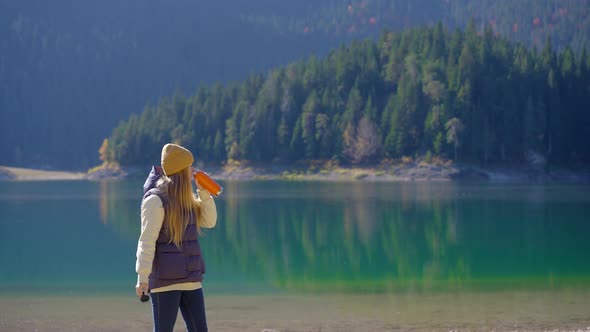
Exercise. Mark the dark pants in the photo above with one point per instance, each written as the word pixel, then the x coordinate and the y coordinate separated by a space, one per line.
pixel 192 306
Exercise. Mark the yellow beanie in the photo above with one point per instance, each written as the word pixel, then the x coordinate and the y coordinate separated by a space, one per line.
pixel 175 158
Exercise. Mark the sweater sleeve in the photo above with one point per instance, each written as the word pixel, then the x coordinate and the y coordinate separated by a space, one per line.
pixel 152 217
pixel 208 209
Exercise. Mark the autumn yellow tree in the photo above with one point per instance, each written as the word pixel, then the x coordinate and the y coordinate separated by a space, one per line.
pixel 102 151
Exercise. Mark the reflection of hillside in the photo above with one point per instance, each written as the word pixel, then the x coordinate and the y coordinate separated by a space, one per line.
pixel 377 237
pixel 354 241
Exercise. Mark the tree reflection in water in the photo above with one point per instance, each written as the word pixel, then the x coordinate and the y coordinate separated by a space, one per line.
pixel 379 237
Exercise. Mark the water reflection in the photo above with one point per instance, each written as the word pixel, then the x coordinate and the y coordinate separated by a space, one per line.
pixel 364 237
pixel 104 201
pixel 119 207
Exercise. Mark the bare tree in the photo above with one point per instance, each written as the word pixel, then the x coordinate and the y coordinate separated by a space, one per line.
pixel 368 140
pixel 349 141
pixel 363 143
pixel 454 128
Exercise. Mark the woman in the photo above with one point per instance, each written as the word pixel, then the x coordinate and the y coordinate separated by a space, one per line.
pixel 169 262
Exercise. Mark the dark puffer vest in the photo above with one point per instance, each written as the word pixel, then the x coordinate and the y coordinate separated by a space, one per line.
pixel 173 265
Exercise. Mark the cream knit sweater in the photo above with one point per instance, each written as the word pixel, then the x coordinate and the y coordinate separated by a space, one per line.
pixel 152 217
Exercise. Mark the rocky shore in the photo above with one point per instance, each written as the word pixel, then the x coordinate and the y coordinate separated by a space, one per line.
pixel 463 311
pixel 407 171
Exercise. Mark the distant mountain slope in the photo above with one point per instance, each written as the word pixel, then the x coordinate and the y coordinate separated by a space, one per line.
pixel 70 70
pixel 565 22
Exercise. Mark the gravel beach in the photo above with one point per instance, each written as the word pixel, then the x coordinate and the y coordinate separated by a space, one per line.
pixel 559 310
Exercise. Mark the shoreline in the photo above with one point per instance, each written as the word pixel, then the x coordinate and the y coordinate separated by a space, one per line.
pixel 418 171
pixel 473 311
pixel 8 173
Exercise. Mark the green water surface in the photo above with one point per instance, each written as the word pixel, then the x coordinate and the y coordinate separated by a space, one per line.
pixel 308 237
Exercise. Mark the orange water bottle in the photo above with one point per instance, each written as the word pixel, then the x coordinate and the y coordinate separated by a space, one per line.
pixel 208 183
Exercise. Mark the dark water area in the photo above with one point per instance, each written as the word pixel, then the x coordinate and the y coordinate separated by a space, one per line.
pixel 308 238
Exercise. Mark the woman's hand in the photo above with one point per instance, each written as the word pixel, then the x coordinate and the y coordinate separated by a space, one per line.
pixel 141 289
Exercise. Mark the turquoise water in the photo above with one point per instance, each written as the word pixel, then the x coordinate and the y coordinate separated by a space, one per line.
pixel 308 237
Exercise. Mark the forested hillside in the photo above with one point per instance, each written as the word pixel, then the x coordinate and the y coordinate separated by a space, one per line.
pixel 70 70
pixel 469 96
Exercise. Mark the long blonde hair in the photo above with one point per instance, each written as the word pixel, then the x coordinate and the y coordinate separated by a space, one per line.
pixel 181 203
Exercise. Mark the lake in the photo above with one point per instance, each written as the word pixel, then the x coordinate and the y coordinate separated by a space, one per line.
pixel 296 255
